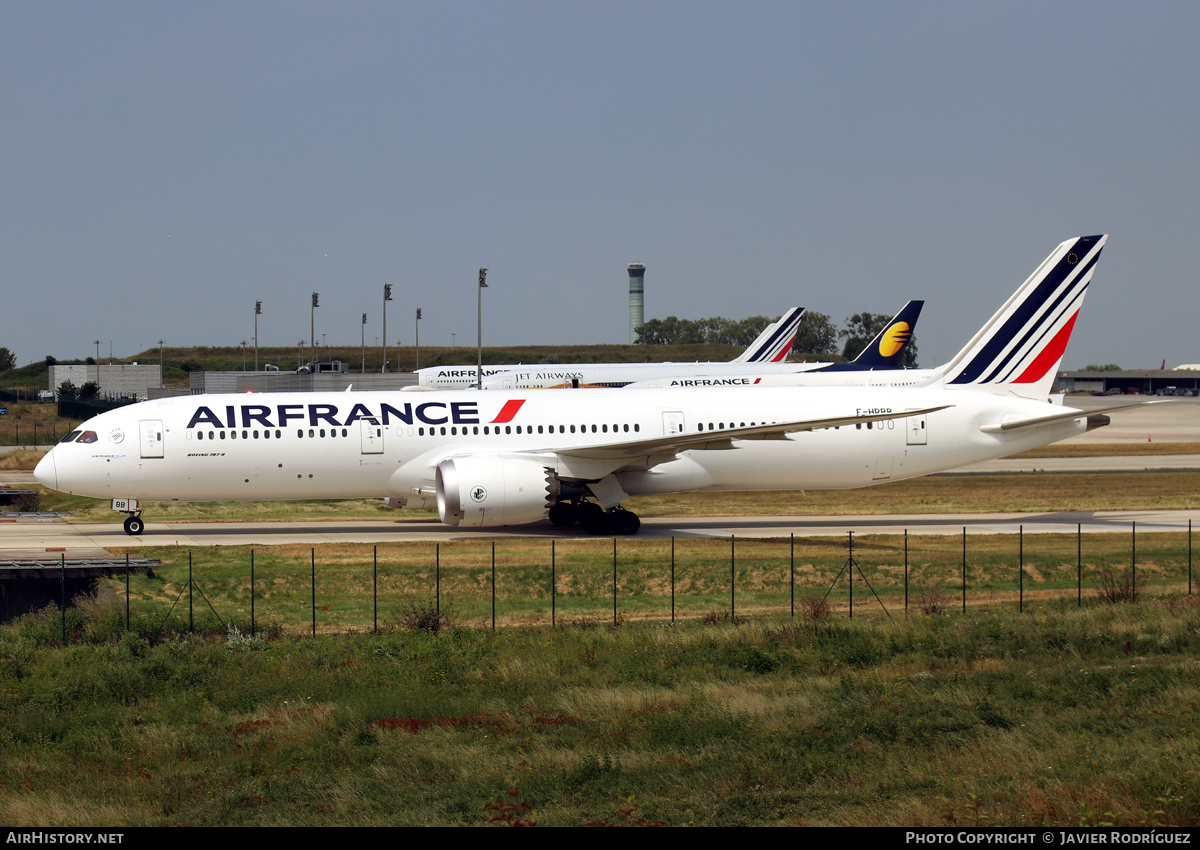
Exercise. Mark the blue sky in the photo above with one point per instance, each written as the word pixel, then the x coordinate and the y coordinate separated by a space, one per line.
pixel 167 164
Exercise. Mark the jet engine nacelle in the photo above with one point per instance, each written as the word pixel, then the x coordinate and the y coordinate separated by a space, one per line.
pixel 477 492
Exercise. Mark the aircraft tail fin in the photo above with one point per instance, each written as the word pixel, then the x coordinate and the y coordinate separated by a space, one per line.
pixel 887 350
pixel 775 343
pixel 1019 349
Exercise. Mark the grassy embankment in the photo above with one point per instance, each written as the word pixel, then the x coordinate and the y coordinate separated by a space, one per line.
pixel 769 577
pixel 1055 717
pixel 179 362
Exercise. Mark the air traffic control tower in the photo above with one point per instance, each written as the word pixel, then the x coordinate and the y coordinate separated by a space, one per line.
pixel 637 300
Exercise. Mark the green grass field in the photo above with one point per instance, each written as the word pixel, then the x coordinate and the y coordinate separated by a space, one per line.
pixel 1072 712
pixel 1058 716
pixel 350 587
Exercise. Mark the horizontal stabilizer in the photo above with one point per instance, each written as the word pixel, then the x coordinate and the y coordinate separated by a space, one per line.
pixel 1059 417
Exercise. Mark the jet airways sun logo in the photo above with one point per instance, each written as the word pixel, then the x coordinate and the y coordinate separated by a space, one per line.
pixel 895 339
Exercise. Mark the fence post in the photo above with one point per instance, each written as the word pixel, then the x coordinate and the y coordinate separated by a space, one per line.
pixel 614 582
pixel 126 591
pixel 732 581
pixel 62 576
pixel 964 569
pixel 672 580
pixel 493 585
pixel 437 578
pixel 251 593
pixel 191 618
pixel 553 583
pixel 850 562
pixel 313 589
pixel 792 572
pixel 906 572
pixel 1133 557
pixel 375 589
pixel 1189 557
pixel 1079 564
pixel 1021 569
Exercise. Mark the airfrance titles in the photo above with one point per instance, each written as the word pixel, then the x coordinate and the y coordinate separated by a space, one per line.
pixel 313 415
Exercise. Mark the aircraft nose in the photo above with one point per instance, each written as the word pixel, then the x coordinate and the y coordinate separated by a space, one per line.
pixel 45 471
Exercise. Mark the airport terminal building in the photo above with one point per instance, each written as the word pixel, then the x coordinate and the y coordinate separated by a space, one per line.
pixel 1181 381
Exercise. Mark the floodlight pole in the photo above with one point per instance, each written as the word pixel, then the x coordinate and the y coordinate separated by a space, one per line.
pixel 417 323
pixel 257 313
pixel 364 344
pixel 312 319
pixel 387 296
pixel 479 369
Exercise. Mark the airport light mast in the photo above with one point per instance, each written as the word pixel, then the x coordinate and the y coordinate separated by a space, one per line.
pixel 257 313
pixel 418 336
pixel 387 296
pixel 364 344
pixel 479 370
pixel 312 320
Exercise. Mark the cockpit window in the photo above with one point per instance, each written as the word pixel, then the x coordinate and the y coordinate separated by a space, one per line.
pixel 69 437
pixel 88 437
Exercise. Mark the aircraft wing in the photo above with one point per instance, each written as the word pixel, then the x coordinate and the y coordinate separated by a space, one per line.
pixel 673 444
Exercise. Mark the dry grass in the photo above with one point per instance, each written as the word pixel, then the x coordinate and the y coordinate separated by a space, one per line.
pixel 22 460
pixel 1112 450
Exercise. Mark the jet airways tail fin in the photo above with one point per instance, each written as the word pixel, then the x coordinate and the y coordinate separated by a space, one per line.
pixel 1018 351
pixel 775 343
pixel 886 351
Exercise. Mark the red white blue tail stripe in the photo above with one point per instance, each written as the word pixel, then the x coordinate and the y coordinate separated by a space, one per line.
pixel 1019 349
pixel 775 343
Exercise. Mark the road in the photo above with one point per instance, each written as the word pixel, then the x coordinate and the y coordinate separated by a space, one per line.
pixel 28 538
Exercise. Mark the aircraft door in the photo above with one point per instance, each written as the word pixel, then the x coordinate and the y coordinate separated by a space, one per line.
pixel 672 422
pixel 151 434
pixel 917 435
pixel 372 438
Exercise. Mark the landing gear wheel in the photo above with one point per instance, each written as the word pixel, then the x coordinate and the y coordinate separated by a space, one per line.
pixel 593 518
pixel 563 514
pixel 626 523
pixel 134 525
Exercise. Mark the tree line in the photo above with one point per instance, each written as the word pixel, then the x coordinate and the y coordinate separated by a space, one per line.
pixel 816 334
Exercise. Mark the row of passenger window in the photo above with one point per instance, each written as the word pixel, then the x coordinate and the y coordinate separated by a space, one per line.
pixel 488 430
pixel 452 431
pixel 720 426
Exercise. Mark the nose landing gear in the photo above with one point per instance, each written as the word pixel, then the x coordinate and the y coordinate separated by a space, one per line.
pixel 134 525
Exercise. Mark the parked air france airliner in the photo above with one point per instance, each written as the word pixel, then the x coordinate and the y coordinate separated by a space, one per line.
pixel 886 352
pixel 516 457
pixel 772 346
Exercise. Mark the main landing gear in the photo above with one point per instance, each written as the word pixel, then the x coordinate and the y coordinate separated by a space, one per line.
pixel 594 519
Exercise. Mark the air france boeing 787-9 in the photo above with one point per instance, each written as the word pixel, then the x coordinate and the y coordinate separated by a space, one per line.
pixel 516 457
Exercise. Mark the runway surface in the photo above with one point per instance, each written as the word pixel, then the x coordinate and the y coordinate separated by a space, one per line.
pixel 30 538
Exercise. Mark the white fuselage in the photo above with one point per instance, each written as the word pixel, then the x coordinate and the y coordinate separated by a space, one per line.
pixel 347 445
pixel 610 375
